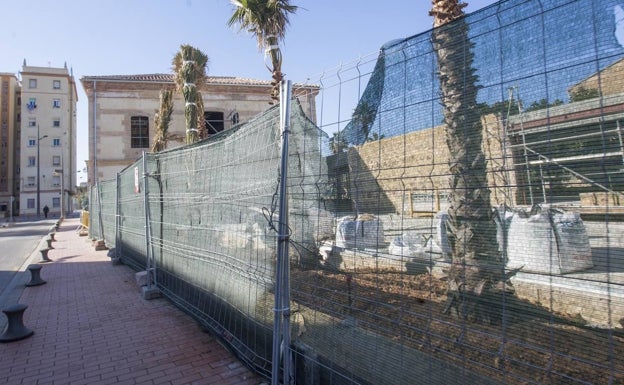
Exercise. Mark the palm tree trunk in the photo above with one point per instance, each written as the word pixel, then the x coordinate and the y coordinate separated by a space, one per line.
pixel 201 119
pixel 189 91
pixel 190 113
pixel 162 119
pixel 476 268
pixel 276 62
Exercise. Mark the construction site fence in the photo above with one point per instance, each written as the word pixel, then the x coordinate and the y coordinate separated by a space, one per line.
pixel 374 203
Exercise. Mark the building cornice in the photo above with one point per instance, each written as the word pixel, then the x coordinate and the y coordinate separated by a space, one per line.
pixel 168 79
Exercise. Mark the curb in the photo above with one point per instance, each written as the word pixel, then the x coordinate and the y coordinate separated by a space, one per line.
pixel 13 292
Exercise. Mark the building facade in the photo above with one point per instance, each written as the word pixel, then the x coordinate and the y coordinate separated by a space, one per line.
pixel 122 110
pixel 9 143
pixel 47 153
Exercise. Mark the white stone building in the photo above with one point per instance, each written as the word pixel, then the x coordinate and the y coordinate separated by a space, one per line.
pixel 122 109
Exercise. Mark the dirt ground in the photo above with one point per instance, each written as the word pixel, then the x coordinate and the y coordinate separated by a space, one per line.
pixel 530 346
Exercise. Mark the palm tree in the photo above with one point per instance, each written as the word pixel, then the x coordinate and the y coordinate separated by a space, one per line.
pixel 337 142
pixel 189 68
pixel 162 120
pixel 363 117
pixel 476 276
pixel 267 21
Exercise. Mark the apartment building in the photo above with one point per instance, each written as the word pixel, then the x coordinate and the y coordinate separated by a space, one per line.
pixel 9 144
pixel 47 147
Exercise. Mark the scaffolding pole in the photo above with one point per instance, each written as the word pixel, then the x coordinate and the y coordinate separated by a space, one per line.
pixel 526 156
pixel 619 132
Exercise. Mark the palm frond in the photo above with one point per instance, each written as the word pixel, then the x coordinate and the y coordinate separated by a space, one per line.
pixel 267 21
pixel 189 66
pixel 262 18
pixel 199 70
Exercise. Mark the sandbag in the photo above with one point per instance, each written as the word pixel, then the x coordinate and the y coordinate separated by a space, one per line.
pixel 441 236
pixel 407 245
pixel 548 242
pixel 363 232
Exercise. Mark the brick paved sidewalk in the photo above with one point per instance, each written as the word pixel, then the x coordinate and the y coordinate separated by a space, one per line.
pixel 92 327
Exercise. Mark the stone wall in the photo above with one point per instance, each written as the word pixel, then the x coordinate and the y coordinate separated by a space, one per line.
pixel 386 175
pixel 609 81
pixel 604 199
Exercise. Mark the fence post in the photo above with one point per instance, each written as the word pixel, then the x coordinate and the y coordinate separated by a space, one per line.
pixel 150 291
pixel 281 323
pixel 90 208
pixel 100 220
pixel 117 254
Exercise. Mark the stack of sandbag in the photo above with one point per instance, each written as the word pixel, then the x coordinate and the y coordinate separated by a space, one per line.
pixel 543 240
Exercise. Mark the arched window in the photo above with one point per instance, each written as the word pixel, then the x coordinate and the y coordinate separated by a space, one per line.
pixel 139 132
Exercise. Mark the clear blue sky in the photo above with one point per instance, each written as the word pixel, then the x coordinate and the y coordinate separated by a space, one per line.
pixel 122 37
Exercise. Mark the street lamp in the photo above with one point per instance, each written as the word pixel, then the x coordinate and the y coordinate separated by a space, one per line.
pixel 61 174
pixel 38 174
pixel 11 208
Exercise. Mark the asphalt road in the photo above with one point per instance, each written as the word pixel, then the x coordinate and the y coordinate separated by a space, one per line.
pixel 17 243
